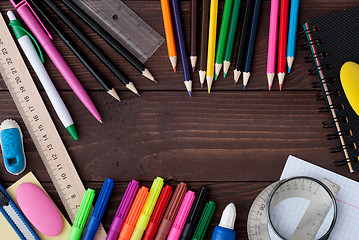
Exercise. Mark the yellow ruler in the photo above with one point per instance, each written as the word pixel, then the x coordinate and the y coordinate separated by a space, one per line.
pixel 40 125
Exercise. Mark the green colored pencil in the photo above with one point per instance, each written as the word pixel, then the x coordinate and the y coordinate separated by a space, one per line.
pixel 231 36
pixel 222 39
pixel 204 221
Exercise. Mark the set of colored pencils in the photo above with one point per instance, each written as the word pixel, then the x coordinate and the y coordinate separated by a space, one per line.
pixel 286 39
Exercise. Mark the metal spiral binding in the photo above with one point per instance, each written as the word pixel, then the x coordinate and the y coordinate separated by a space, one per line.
pixel 319 55
pixel 335 135
pixel 312 43
pixel 314 70
pixel 310 30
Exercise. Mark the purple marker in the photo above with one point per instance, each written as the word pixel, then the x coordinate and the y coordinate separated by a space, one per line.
pixel 122 211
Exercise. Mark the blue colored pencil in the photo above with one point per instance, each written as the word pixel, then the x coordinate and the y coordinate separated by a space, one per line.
pixel 181 45
pixel 292 34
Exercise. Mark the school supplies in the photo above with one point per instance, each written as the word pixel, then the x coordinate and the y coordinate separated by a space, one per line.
pixel 282 41
pixel 122 211
pixel 171 211
pixel 158 213
pixel 203 223
pixel 181 45
pixel 272 42
pixel 349 77
pixel 251 42
pixel 82 214
pixel 193 55
pixel 110 40
pixel 231 36
pixel 124 25
pixel 12 147
pixel 36 62
pixel 101 56
pixel 170 37
pixel 148 209
pixel 99 209
pixel 211 43
pixel 133 215
pixel 204 41
pixel 323 35
pixel 222 38
pixel 181 217
pixel 225 228
pixel 45 39
pixel 195 213
pixel 292 33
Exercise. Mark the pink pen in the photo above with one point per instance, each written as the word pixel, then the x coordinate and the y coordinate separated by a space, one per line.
pixel 272 42
pixel 180 220
pixel 43 36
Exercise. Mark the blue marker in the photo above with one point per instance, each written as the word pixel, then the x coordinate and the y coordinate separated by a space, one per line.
pixel 292 33
pixel 99 210
pixel 225 229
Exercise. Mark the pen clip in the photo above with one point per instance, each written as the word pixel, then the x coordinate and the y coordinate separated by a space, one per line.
pixel 14 23
pixel 25 3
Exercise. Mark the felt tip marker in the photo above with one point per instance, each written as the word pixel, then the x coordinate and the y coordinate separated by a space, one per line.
pixel 203 223
pixel 225 229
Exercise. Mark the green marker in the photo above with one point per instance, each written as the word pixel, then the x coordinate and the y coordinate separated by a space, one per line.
pixel 82 214
pixel 222 39
pixel 231 36
pixel 203 223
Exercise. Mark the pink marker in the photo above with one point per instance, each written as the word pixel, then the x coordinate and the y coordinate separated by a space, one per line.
pixel 272 42
pixel 180 220
pixel 43 36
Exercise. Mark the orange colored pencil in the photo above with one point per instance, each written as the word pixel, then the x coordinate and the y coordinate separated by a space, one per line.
pixel 170 38
pixel 133 215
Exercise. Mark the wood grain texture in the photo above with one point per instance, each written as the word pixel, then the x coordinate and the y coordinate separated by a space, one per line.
pixel 232 141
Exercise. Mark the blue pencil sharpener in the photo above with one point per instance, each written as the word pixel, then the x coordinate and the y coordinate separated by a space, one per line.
pixel 12 147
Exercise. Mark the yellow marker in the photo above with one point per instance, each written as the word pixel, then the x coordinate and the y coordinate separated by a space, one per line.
pixel 212 43
pixel 147 209
pixel 349 77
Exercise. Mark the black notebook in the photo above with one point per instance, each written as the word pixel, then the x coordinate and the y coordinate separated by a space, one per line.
pixel 333 39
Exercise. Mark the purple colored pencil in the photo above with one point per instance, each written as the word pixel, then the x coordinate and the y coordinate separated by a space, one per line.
pixel 122 211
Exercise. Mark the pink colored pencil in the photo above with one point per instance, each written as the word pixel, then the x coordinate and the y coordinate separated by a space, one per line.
pixel 272 42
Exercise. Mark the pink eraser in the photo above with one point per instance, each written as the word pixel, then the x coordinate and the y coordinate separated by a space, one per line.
pixel 39 209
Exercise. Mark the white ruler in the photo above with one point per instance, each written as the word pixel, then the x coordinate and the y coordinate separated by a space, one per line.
pixel 40 125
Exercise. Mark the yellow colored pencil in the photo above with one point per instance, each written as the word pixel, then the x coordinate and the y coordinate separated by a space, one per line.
pixel 212 43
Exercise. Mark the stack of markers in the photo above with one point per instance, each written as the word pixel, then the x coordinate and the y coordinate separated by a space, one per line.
pixel 153 214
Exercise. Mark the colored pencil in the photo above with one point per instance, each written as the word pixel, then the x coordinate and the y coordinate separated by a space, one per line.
pixel 282 42
pixel 231 36
pixel 292 34
pixel 272 42
pixel 243 41
pixel 170 37
pixel 251 42
pixel 181 45
pixel 193 34
pixel 211 43
pixel 204 41
pixel 223 34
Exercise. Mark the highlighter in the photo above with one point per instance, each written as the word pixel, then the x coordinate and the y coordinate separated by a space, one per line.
pixel 122 211
pixel 135 211
pixel 158 213
pixel 203 223
pixel 180 220
pixel 82 214
pixel 98 210
pixel 148 209
pixel 225 229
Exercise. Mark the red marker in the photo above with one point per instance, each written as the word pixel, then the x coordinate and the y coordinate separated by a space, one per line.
pixel 282 43
pixel 158 213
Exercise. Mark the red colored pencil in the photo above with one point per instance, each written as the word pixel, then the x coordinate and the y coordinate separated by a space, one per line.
pixel 282 42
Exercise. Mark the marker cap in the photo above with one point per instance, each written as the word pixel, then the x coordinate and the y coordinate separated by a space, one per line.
pixel 203 223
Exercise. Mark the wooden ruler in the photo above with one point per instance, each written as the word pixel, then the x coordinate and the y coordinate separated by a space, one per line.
pixel 40 125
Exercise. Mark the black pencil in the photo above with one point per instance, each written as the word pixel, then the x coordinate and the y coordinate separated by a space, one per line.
pixel 204 41
pixel 109 64
pixel 109 39
pixel 243 41
pixel 80 55
pixel 193 56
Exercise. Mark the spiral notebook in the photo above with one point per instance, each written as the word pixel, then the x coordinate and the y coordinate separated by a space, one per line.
pixel 333 39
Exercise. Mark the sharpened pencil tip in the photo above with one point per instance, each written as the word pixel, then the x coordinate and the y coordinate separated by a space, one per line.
pixel 244 87
pixel 269 87
pixel 201 85
pixel 174 69
pixel 190 93
pixel 100 121
pixel 224 75
pixel 193 69
pixel 215 77
pixel 154 81
pixel 209 90
pixel 235 84
pixel 280 87
pixel 288 70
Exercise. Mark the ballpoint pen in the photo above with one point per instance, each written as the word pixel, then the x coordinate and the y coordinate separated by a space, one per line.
pixel 36 63
pixel 44 37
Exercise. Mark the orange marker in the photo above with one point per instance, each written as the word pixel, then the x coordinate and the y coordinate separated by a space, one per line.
pixel 133 215
pixel 170 38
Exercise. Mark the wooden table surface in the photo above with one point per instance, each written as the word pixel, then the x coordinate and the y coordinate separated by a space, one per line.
pixel 233 141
